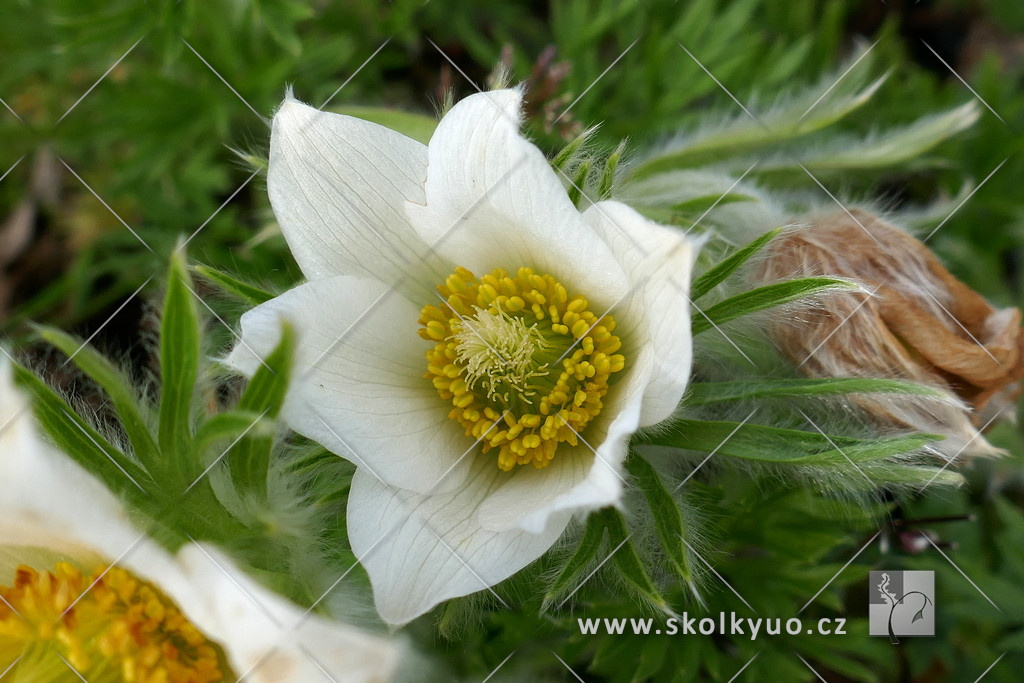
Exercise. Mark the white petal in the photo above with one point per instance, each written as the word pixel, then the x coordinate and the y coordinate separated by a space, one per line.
pixel 421 550
pixel 493 201
pixel 357 383
pixel 267 638
pixel 338 186
pixel 654 317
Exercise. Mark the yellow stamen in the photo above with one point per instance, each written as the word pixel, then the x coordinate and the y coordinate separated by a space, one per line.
pixel 524 365
pixel 109 626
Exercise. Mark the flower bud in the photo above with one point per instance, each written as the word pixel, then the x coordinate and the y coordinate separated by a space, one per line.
pixel 915 322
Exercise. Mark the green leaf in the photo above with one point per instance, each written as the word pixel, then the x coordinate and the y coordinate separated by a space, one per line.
pixel 419 127
pixel 744 134
pixel 668 520
pixel 703 393
pixel 118 387
pixel 243 290
pixel 264 395
pixel 627 561
pixel 782 446
pixel 81 442
pixel 767 297
pixel 727 266
pixel 895 147
pixel 900 473
pixel 652 658
pixel 572 572
pixel 179 367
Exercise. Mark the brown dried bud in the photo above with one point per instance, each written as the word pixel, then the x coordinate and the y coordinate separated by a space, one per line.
pixel 917 322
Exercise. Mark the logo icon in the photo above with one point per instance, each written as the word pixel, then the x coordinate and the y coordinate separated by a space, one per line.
pixel 901 603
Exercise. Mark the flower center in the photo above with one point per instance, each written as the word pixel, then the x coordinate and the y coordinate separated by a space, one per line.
pixel 109 626
pixel 525 365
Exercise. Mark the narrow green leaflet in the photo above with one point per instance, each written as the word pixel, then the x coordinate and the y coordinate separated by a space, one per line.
pixel 233 425
pixel 782 446
pixel 118 387
pixel 572 148
pixel 264 395
pixel 668 520
pixel 232 285
pixel 727 266
pixel 627 561
pixel 572 573
pixel 703 393
pixel 894 148
pixel 179 367
pixel 83 443
pixel 919 475
pixel 579 182
pixel 767 297
pixel 611 165
pixel 698 205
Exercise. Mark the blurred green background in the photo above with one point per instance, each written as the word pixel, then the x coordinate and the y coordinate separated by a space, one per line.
pixel 127 125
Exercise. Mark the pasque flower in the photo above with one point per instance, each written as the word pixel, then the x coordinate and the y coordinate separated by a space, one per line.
pixel 86 595
pixel 479 348
pixel 919 323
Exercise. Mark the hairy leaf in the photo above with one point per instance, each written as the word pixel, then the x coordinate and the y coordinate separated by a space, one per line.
pixel 768 296
pixel 232 285
pixel 179 367
pixel 727 266
pixel 118 387
pixel 703 393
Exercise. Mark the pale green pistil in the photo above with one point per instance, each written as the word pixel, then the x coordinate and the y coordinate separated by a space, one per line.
pixel 500 353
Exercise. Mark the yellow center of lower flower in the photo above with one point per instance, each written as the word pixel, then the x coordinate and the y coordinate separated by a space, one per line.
pixel 108 626
pixel 525 365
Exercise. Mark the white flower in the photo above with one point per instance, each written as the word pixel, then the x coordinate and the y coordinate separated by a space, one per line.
pixel 80 584
pixel 402 244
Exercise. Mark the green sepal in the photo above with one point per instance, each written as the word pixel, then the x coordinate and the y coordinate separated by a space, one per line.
pixel 768 296
pixel 727 266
